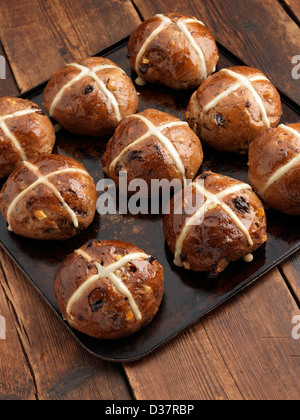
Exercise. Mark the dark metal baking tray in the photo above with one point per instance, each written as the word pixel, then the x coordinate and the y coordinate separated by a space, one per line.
pixel 188 296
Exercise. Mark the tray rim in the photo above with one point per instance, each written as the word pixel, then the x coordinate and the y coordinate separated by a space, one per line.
pixel 107 50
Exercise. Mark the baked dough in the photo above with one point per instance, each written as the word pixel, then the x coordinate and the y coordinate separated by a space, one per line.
pixel 90 97
pixel 25 132
pixel 228 224
pixel 109 289
pixel 173 49
pixel 274 168
pixel 50 197
pixel 232 107
pixel 153 145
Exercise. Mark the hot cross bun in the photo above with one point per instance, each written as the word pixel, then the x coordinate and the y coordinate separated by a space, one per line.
pixel 216 221
pixel 153 145
pixel 274 168
pixel 109 289
pixel 25 132
pixel 173 49
pixel 232 107
pixel 90 97
pixel 49 197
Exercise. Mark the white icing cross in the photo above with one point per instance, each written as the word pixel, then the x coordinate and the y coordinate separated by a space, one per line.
pixel 109 273
pixel 10 135
pixel 242 82
pixel 165 22
pixel 155 131
pixel 287 167
pixel 210 200
pixel 86 71
pixel 44 180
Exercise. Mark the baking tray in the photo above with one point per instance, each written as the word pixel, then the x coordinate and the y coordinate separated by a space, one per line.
pixel 188 296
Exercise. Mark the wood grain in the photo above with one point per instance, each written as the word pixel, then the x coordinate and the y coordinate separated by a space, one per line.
pixel 262 35
pixel 291 271
pixel 189 367
pixel 293 8
pixel 8 86
pixel 59 31
pixel 40 359
pixel 243 350
pixel 16 381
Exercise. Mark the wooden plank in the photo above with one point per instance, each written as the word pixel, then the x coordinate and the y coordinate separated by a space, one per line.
pixel 40 358
pixel 188 368
pixel 41 37
pixel 291 270
pixel 16 380
pixel 293 8
pixel 8 86
pixel 261 33
pixel 243 350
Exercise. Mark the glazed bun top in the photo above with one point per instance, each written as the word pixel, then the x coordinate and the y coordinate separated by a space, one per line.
pixel 217 220
pixel 232 107
pixel 173 49
pixel 90 97
pixel 25 131
pixel 153 145
pixel 49 197
pixel 274 167
pixel 109 289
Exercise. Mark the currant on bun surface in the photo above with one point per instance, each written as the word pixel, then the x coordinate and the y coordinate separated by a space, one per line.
pixel 90 97
pixel 50 197
pixel 228 224
pixel 173 49
pixel 109 289
pixel 232 107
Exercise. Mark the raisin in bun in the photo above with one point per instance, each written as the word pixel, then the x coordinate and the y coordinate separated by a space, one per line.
pixel 232 107
pixel 153 145
pixel 49 197
pixel 274 168
pixel 173 49
pixel 90 97
pixel 109 289
pixel 217 220
pixel 25 132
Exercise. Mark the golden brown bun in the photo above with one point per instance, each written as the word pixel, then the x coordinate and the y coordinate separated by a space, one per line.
pixel 100 309
pixel 212 244
pixel 86 108
pixel 150 159
pixel 171 58
pixel 270 152
pixel 234 122
pixel 42 211
pixel 33 132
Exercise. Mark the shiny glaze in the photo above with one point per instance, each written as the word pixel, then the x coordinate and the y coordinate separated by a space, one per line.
pixel 274 168
pixel 25 132
pixel 142 147
pixel 57 188
pixel 173 49
pixel 243 81
pixel 228 112
pixel 219 239
pixel 90 97
pixel 212 201
pixel 110 318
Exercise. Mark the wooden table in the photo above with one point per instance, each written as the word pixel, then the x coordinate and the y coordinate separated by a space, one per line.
pixel 245 349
